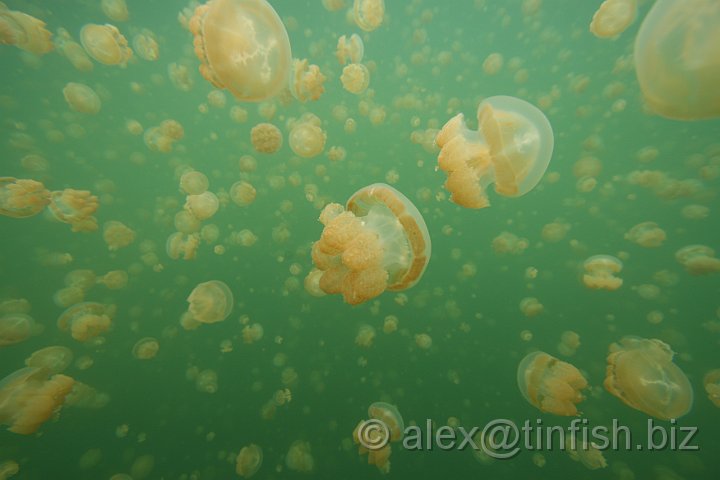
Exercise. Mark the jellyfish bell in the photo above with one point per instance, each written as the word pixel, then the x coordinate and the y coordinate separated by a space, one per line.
pixel 54 359
pixel 698 259
pixel 249 460
pixel 105 44
pixel 676 51
pixel 21 198
pixel 307 138
pixel 390 416
pixel 24 31
pixel 17 327
pixel 512 149
pixel 369 14
pixel 145 348
pixel 242 46
pixel 613 17
pixel 711 382
pixel 82 98
pixel 641 373
pixel 116 10
pixel 600 272
pixel 210 302
pixel 551 385
pixel 86 320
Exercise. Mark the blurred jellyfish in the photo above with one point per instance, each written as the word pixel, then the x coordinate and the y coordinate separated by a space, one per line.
pixel 114 279
pixel 613 17
pixel 8 468
pixel 22 198
pixel 210 302
pixel 600 272
pixel 551 385
pixel 24 31
pixel 365 336
pixel 242 46
pixel 711 382
pixel 299 457
pixel 242 193
pixel 306 81
pixel 355 78
pixel 202 206
pixel 194 183
pixel 145 348
pixel 87 320
pixel 252 333
pixel 117 235
pixel 182 245
pixel 698 259
pixel 249 460
pixel 380 242
pixel 646 234
pixel 105 44
pixel 569 343
pixel 73 51
pixel 510 243
pixel 54 359
pixel 17 327
pixel 116 10
pixel 146 45
pixel 207 381
pixel 266 138
pixel 76 208
pixel 512 149
pixel 369 14
pixel 423 341
pixel 531 306
pixel 641 373
pixel 85 396
pixel 584 452
pixel 676 51
pixel 307 138
pixel 82 98
pixel 351 49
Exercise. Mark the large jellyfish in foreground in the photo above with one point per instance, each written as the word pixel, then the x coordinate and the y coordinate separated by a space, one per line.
pixel 512 149
pixel 641 373
pixel 676 59
pixel 378 242
pixel 550 384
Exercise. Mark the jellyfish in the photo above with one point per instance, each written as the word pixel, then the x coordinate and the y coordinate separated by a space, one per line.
pixel 249 460
pixel 569 343
pixel 17 327
pixel 551 385
pixel 242 46
pixel 299 457
pixel 114 279
pixel 390 416
pixel 242 193
pixel 584 452
pixel 210 302
pixel 24 31
pixel 512 149
pixel 207 381
pixel 86 320
pixel 30 397
pixel 145 348
pixel 202 206
pixel 365 336
pixel 675 54
pixel 194 183
pixel 117 235
pixel 711 382
pixel 266 138
pixel 600 272
pixel 146 46
pixel 510 243
pixel 8 468
pixel 54 359
pixel 493 63
pixel 82 98
pixel 76 208
pixel 85 396
pixel 369 14
pixel 252 333
pixel 351 49
pixel 116 10
pixel 105 44
pixel 646 234
pixel 555 231
pixel 613 17
pixel 82 278
pixel 641 373
pixel 698 259
pixel 423 341
pixel 180 76
pixel 182 245
pixel 531 307
pixel 355 78
pixel 306 81
pixel 378 242
pixel 68 296
pixel 22 198
pixel 73 51
pixel 307 138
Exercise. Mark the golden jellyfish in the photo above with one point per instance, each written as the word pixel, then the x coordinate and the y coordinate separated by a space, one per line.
pixel 117 235
pixel 180 76
pixel 194 183
pixel 586 453
pixel 76 208
pixel 252 333
pixel 114 279
pixel 355 78
pixel 242 193
pixel 365 336
pixel 493 63
pixel 423 341
pixel 146 46
pixel 202 206
pixel 85 396
pixel 646 234
pixel 511 148
pixel 145 348
pixel 87 320
pixel 266 138
pixel 73 51
pixel 82 278
pixel 698 259
pixel 105 44
pixel 711 382
pixel 183 245
pixel 24 31
pixel 210 302
pixel 369 14
pixel 116 10
pixel 306 81
pixel 509 243
pixel 555 231
pixel 531 306
pixel 242 46
pixel 600 272
pixel 641 373
pixel 29 397
pixel 569 343
pixel 207 381
pixel 8 468
pixel 695 212
pixel 68 296
pixel 551 385
pixel 54 359
pixel 350 49
pixel 82 98
pixel 613 17
pixel 307 138
pixel 299 457
pixel 390 416
pixel 21 198
pixel 248 460
pixel 17 327
pixel 378 242
pixel 675 54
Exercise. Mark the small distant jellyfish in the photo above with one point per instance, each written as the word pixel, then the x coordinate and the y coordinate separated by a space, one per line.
pixel 369 14
pixel 248 460
pixel 365 336
pixel 584 452
pixel 509 243
pixel 355 78
pixel 600 272
pixel 493 63
pixel 307 138
pixel 22 198
pixel 646 234
pixel 114 279
pixel 202 206
pixel 73 51
pixel 551 385
pixel 351 49
pixel 116 10
pixel 194 183
pixel 423 341
pixel 117 235
pixel 242 193
pixel 242 46
pixel 146 46
pixel 207 381
pixel 711 382
pixel 266 138
pixel 16 328
pixel 511 148
pixel 569 343
pixel 145 348
pixel 87 320
pixel 306 81
pixel 180 76
pixel 252 333
pixel 613 17
pixel 698 259
pixel 531 306
pixel 105 44
pixel 378 242
pixel 299 457
pixel 210 302
pixel 641 373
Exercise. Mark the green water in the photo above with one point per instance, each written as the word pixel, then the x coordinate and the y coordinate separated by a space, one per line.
pixel 434 52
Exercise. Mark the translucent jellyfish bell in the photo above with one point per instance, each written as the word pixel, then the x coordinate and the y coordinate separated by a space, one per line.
pixel 676 59
pixel 210 302
pixel 512 149
pixel 550 384
pixel 641 373
pixel 243 46
pixel 249 460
